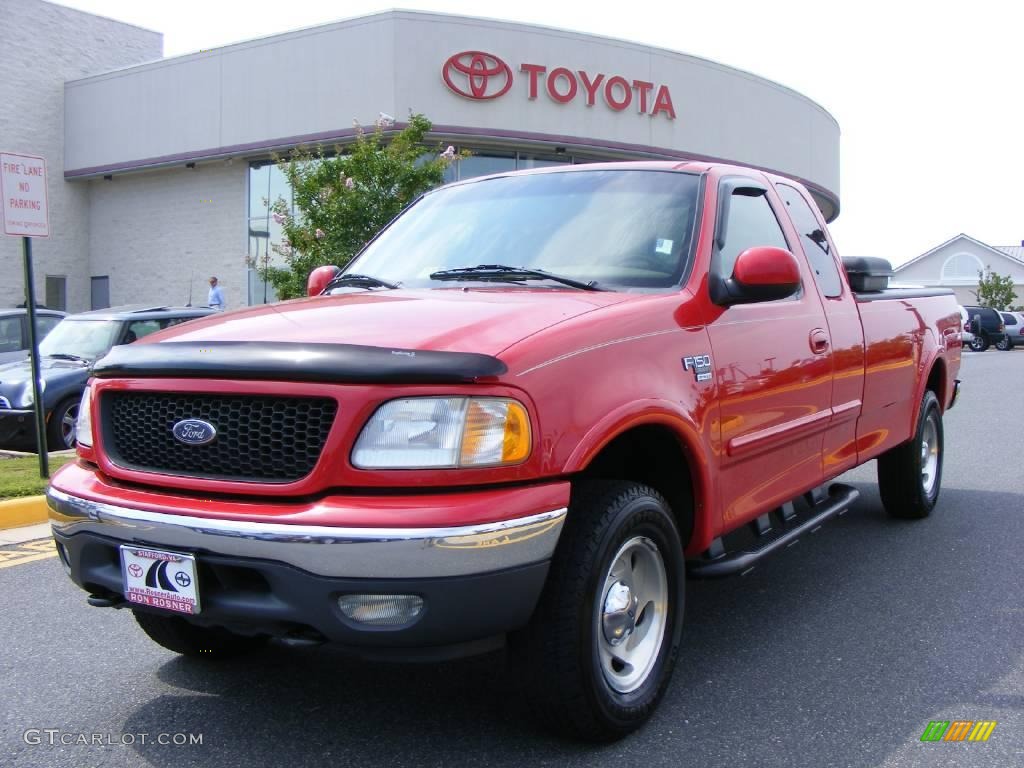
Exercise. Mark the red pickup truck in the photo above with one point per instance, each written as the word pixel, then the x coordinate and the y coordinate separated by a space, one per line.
pixel 526 411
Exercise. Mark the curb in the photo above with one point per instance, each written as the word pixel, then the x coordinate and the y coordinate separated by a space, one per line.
pixel 15 513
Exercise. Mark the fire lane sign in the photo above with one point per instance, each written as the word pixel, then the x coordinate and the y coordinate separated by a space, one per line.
pixel 25 202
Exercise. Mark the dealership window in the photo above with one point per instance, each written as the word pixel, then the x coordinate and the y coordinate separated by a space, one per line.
pixel 56 292
pixel 962 267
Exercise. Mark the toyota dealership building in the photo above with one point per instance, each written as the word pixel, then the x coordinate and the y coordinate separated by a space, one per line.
pixel 160 168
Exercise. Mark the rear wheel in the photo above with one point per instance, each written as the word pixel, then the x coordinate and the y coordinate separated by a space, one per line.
pixel 604 638
pixel 910 475
pixel 1005 344
pixel 178 635
pixel 979 343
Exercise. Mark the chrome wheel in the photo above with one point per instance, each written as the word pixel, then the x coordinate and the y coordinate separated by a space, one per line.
pixel 929 454
pixel 68 424
pixel 633 616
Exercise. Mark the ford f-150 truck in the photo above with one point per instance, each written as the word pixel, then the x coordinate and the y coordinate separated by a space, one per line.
pixel 522 415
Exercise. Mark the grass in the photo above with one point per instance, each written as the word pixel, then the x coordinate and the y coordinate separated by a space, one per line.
pixel 20 477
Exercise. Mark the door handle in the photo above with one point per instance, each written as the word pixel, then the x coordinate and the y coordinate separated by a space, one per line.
pixel 819 341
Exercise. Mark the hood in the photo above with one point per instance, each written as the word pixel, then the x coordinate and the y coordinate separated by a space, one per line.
pixel 487 321
pixel 16 378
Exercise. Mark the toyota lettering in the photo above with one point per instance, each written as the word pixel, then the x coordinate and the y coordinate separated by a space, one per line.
pixel 483 76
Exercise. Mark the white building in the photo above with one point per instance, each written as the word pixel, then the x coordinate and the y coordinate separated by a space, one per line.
pixel 956 263
pixel 160 168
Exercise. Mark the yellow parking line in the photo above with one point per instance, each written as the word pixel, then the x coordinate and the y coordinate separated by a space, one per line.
pixel 28 552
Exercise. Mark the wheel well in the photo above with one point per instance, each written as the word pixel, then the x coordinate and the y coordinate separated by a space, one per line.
pixel 937 382
pixel 652 455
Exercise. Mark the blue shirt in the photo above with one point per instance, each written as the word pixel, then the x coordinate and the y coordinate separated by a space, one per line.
pixel 216 299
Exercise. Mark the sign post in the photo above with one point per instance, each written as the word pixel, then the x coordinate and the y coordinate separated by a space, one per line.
pixel 26 215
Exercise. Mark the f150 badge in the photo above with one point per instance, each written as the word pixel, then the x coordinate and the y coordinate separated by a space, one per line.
pixel 700 365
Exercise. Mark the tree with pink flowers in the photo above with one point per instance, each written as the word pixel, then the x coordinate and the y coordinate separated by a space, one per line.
pixel 343 199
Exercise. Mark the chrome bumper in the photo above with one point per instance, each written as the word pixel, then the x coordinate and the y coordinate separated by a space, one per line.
pixel 322 550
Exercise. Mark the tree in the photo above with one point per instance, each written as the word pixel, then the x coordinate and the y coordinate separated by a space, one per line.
pixel 994 290
pixel 343 200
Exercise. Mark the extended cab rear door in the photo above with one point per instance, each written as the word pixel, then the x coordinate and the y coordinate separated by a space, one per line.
pixel 843 322
pixel 773 363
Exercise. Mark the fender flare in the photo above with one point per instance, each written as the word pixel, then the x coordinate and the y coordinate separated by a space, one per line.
pixel 663 413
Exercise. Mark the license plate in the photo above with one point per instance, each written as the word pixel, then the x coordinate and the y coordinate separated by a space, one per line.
pixel 160 579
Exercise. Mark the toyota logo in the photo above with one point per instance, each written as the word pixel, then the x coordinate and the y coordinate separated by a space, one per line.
pixel 477 75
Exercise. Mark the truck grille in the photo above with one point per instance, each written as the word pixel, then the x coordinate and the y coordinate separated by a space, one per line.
pixel 261 439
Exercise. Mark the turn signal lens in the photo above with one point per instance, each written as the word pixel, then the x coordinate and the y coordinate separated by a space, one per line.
pixel 496 432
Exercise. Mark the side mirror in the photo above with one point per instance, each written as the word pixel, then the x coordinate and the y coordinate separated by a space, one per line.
pixel 319 278
pixel 762 273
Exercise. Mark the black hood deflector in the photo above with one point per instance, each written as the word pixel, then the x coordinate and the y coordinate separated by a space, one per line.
pixel 285 361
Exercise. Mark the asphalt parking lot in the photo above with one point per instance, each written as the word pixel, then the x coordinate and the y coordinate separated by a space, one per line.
pixel 837 652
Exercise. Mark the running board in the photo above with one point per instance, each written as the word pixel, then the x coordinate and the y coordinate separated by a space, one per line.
pixel 837 500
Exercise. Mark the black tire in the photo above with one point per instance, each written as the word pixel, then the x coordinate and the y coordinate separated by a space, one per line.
pixel 907 491
pixel 60 428
pixel 568 685
pixel 178 635
pixel 979 343
pixel 1005 344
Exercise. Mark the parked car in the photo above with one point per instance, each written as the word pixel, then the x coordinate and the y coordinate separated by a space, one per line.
pixel 66 355
pixel 1014 325
pixel 14 331
pixel 986 327
pixel 496 432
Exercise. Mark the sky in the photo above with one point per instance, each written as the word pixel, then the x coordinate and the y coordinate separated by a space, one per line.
pixel 928 96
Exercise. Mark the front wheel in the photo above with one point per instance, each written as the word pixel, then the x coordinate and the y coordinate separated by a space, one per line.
pixel 979 343
pixel 61 429
pixel 910 475
pixel 604 638
pixel 1005 344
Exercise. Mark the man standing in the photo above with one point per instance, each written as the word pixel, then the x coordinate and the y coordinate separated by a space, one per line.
pixel 216 298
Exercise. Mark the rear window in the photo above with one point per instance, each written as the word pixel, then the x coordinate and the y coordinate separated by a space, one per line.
pixel 1009 319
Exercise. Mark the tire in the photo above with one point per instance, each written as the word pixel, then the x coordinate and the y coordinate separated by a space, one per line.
pixel 60 428
pixel 1005 344
pixel 910 475
pixel 178 635
pixel 979 343
pixel 585 614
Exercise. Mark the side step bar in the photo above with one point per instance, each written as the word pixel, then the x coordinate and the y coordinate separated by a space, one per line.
pixel 838 499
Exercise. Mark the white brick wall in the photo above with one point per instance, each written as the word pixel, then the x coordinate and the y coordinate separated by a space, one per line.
pixel 44 45
pixel 154 232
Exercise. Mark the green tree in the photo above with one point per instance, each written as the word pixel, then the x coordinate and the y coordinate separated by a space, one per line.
pixel 343 200
pixel 994 290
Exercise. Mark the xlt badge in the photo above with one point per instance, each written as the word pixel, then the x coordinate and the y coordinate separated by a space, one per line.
pixel 700 365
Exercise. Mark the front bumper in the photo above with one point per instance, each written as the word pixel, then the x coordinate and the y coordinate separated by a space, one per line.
pixel 284 580
pixel 17 428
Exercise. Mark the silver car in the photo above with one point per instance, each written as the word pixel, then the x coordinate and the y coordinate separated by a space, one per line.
pixel 1014 322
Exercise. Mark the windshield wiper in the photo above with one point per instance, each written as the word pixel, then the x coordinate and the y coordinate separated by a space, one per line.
pixel 66 356
pixel 363 281
pixel 503 272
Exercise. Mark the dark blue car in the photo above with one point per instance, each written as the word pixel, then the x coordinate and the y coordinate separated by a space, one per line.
pixel 66 355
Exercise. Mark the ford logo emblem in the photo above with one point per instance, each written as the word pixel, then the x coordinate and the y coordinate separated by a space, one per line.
pixel 194 432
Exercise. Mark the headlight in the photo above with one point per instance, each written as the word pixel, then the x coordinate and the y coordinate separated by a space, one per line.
pixel 83 425
pixel 27 398
pixel 444 432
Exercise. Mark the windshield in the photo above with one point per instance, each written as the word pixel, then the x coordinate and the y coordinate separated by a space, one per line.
pixel 622 229
pixel 80 338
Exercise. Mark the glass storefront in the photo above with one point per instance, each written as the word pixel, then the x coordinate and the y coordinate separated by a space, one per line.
pixel 267 183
